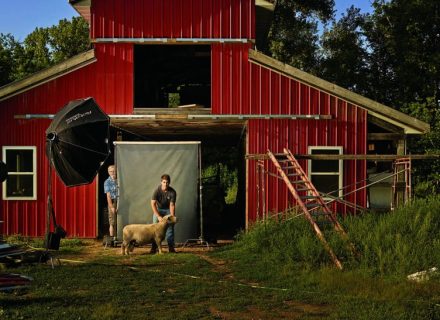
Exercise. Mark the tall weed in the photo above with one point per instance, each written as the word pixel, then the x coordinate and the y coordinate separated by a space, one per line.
pixel 396 243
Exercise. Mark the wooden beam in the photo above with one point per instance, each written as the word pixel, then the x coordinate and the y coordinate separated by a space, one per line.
pixel 372 157
pixel 384 124
pixel 347 95
pixel 385 136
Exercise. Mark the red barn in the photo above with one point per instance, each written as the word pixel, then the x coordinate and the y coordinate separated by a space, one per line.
pixel 151 59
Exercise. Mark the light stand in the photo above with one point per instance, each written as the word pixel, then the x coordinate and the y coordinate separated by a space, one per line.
pixel 52 239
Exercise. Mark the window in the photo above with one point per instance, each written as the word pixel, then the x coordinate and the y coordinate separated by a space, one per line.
pixel 326 175
pixel 21 183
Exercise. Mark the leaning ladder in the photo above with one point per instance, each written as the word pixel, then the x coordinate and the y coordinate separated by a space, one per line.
pixel 401 182
pixel 307 197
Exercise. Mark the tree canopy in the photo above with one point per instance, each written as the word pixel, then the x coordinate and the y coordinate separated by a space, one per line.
pixel 42 48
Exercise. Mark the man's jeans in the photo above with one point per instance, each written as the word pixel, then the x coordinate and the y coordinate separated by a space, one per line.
pixel 170 231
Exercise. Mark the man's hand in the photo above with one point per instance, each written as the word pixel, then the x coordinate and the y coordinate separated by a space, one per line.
pixel 159 218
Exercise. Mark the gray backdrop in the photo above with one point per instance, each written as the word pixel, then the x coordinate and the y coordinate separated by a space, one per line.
pixel 139 167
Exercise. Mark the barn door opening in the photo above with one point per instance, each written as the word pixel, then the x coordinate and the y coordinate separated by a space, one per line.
pixel 223 172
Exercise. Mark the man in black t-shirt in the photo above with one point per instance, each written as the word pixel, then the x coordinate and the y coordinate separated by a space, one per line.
pixel 163 202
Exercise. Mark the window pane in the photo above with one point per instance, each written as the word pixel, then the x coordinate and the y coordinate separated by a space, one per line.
pixel 19 160
pixel 325 165
pixel 326 184
pixel 19 185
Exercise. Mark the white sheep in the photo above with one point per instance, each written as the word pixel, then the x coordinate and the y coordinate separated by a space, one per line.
pixel 145 233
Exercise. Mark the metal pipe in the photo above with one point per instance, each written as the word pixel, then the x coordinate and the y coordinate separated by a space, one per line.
pixel 170 40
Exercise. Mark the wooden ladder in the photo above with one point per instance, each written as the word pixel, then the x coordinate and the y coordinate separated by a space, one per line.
pixel 401 182
pixel 307 197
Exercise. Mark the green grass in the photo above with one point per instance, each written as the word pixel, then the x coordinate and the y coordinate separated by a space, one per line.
pixel 181 286
pixel 373 285
pixel 275 271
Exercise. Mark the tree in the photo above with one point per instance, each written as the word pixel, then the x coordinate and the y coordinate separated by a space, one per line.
pixel 293 37
pixel 7 47
pixel 344 53
pixel 34 54
pixel 42 48
pixel 69 38
pixel 404 40
pixel 404 62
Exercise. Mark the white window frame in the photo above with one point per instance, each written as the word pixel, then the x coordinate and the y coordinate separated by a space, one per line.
pixel 33 172
pixel 340 173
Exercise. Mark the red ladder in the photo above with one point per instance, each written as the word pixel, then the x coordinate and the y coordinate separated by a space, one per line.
pixel 306 196
pixel 402 171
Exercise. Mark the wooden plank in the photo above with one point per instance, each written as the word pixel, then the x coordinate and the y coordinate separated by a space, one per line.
pixel 181 116
pixel 372 157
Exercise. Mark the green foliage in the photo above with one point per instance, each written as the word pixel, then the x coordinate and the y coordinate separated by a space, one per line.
pixel 220 166
pixel 68 38
pixel 426 172
pixel 42 48
pixel 397 243
pixel 293 37
pixel 344 52
pixel 7 48
pixel 36 53
pixel 403 37
pixel 401 242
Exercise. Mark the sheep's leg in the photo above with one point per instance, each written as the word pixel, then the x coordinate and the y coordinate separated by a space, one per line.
pixel 159 245
pixel 123 246
pixel 131 246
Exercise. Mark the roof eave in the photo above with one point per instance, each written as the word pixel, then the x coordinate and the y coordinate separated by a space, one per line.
pixel 48 74
pixel 82 7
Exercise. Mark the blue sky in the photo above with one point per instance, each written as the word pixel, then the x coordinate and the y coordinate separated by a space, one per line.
pixel 21 17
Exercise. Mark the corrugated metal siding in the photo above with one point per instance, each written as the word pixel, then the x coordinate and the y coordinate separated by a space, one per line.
pixel 110 82
pixel 228 19
pixel 241 87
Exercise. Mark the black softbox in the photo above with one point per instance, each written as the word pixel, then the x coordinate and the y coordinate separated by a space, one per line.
pixel 77 141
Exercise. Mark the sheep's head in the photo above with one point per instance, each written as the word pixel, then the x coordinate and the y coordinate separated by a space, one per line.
pixel 169 219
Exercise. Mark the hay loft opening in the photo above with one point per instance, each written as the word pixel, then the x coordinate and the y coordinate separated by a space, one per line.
pixel 167 76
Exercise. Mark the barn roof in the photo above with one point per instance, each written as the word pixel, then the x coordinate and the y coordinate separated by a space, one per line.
pixel 46 75
pixel 409 124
